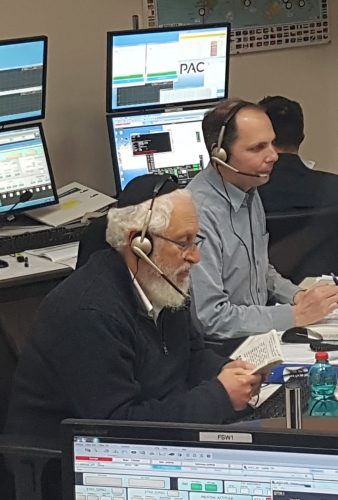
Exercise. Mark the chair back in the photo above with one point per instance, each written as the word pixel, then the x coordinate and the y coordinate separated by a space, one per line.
pixel 304 243
pixel 93 239
pixel 8 363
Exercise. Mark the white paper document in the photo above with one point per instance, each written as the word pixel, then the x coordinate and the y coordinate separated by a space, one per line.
pixel 64 254
pixel 262 351
pixel 75 201
pixel 302 354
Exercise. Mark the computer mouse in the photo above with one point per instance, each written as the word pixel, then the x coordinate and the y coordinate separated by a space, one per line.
pixel 295 335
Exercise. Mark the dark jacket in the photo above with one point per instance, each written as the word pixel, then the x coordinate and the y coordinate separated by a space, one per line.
pixel 293 185
pixel 96 354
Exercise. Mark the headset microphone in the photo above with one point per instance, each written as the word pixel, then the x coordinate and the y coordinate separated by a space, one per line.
pixel 137 251
pixel 7 216
pixel 224 164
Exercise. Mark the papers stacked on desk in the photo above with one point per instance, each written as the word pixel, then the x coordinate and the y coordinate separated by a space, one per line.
pixel 75 202
pixel 302 354
pixel 62 254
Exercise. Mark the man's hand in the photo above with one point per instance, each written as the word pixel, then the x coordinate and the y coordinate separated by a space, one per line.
pixel 239 384
pixel 315 303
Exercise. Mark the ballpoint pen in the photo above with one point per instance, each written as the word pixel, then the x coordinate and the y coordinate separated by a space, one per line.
pixel 334 277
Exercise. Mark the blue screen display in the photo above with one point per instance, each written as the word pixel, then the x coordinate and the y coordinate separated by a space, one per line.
pixel 22 79
pixel 158 67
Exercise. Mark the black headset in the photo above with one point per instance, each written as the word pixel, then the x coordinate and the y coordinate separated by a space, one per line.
pixel 143 241
pixel 217 151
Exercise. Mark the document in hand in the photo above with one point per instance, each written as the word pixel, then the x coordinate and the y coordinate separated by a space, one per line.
pixel 262 351
pixel 75 201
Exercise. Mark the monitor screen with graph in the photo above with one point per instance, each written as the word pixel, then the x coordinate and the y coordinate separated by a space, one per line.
pixel 22 79
pixel 167 66
pixel 158 142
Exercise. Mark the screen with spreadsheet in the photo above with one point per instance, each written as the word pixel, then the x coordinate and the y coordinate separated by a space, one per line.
pixel 166 66
pixel 22 79
pixel 158 142
pixel 25 166
pixel 149 469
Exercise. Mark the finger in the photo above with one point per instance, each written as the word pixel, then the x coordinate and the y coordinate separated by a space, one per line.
pixel 332 307
pixel 255 379
pixel 319 284
pixel 239 363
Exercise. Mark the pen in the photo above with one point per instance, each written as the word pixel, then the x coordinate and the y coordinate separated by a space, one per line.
pixel 334 277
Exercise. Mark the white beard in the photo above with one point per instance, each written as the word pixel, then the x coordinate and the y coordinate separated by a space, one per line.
pixel 160 292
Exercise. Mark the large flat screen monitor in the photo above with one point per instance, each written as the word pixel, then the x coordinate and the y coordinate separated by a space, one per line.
pixel 167 66
pixel 158 142
pixel 138 462
pixel 22 79
pixel 25 167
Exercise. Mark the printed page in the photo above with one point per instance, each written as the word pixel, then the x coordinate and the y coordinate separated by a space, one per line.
pixel 263 351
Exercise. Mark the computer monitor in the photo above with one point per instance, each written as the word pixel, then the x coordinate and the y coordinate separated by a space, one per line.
pixel 157 142
pixel 22 79
pixel 139 461
pixel 25 167
pixel 167 66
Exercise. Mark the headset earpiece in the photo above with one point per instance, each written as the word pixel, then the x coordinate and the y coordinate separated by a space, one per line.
pixel 219 153
pixel 142 241
pixel 145 244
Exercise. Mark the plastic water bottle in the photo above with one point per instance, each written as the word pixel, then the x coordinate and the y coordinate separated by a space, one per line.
pixel 323 381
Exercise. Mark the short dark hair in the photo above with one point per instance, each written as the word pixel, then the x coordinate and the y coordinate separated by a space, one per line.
pixel 287 120
pixel 215 118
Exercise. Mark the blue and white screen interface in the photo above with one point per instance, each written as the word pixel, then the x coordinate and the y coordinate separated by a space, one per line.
pixel 115 471
pixel 21 80
pixel 163 142
pixel 24 167
pixel 167 67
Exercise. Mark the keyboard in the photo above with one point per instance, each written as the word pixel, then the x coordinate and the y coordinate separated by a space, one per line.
pixel 41 238
pixel 275 406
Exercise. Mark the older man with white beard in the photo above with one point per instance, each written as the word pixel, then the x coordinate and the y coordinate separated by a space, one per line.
pixel 115 341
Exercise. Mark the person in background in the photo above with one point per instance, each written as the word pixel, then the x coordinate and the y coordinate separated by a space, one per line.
pixel 235 290
pixel 292 185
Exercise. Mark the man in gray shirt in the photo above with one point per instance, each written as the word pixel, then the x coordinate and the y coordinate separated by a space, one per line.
pixel 234 288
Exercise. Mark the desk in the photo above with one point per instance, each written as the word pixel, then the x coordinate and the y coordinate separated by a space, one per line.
pixel 324 425
pixel 21 291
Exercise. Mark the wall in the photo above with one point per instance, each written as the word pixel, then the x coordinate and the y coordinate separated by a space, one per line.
pixel 75 123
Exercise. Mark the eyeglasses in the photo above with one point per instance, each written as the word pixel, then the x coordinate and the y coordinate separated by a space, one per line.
pixel 185 245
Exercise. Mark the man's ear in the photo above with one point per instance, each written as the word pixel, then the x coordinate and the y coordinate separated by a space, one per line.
pixel 133 233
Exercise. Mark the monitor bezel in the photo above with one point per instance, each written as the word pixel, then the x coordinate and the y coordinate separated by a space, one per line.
pixel 168 433
pixel 49 165
pixel 111 34
pixel 110 128
pixel 40 38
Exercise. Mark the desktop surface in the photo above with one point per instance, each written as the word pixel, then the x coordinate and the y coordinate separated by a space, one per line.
pixel 143 461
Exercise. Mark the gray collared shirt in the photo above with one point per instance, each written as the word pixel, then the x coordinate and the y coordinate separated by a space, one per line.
pixel 234 282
